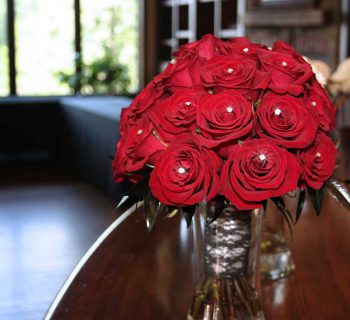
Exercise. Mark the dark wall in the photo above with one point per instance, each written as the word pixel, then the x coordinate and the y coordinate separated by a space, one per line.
pixel 78 134
pixel 29 130
pixel 90 133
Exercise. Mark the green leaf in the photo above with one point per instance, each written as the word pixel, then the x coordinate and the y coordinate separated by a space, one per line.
pixel 300 206
pixel 316 197
pixel 139 188
pixel 188 213
pixel 125 203
pixel 151 208
pixel 220 205
pixel 171 212
pixel 279 202
pixel 255 105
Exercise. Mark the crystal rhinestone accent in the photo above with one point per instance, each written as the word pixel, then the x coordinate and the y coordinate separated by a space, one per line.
pixel 318 155
pixel 245 50
pixel 229 109
pixel 284 64
pixel 187 103
pixel 314 103
pixel 139 132
pixel 262 157
pixel 278 112
pixel 181 170
pixel 229 70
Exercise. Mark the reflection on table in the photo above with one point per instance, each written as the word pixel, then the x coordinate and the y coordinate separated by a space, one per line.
pixel 136 275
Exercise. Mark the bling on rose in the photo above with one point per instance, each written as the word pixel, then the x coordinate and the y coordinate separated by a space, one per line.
pixel 228 118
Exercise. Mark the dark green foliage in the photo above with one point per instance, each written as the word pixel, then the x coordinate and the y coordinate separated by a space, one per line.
pixel 102 76
pixel 188 213
pixel 279 202
pixel 300 206
pixel 316 197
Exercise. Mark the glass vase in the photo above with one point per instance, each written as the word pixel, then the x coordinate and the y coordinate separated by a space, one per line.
pixel 227 255
pixel 276 257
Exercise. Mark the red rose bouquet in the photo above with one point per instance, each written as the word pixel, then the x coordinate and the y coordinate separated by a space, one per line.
pixel 229 120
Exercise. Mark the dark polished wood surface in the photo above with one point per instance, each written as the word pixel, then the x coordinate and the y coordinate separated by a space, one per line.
pixel 136 275
pixel 48 220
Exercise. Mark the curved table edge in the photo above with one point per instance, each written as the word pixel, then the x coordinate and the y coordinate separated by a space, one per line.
pixel 86 257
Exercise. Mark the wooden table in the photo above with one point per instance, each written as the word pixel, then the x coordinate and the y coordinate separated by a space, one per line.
pixel 136 275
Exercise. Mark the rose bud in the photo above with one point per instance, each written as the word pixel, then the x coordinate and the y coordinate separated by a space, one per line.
pixel 256 171
pixel 285 121
pixel 317 161
pixel 186 173
pixel 223 117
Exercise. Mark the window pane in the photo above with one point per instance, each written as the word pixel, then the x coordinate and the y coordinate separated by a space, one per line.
pixel 4 80
pixel 111 26
pixel 44 45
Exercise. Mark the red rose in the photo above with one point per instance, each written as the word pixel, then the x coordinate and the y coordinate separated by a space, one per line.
pixel 256 171
pixel 146 98
pixel 125 121
pixel 120 161
pixel 223 72
pixel 177 73
pixel 204 47
pixel 261 130
pixel 139 146
pixel 288 75
pixel 176 114
pixel 186 173
pixel 283 47
pixel 317 161
pixel 285 121
pixel 318 101
pixel 183 71
pixel 223 117
pixel 240 48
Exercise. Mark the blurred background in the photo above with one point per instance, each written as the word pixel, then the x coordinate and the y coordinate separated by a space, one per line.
pixel 67 67
pixel 45 44
pixel 58 48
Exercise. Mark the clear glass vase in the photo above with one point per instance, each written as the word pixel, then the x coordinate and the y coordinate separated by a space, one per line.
pixel 276 257
pixel 228 275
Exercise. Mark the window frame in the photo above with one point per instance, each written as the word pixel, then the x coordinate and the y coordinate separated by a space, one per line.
pixel 11 43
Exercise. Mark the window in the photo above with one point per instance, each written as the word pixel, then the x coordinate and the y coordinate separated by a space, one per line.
pixel 44 45
pixel 110 25
pixel 4 73
pixel 49 36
